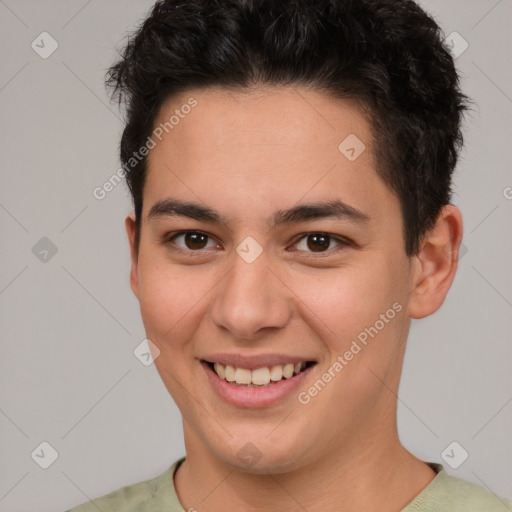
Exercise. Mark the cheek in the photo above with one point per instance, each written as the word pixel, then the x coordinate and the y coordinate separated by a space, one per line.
pixel 345 300
pixel 172 299
pixel 162 297
pixel 169 303
pixel 159 302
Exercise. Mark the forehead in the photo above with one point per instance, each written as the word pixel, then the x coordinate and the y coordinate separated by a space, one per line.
pixel 290 116
pixel 261 147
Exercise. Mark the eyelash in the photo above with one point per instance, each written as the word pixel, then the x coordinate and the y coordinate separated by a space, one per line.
pixel 170 237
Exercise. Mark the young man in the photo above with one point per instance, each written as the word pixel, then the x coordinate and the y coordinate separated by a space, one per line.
pixel 290 165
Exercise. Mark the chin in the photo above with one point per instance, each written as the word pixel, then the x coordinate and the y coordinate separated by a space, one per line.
pixel 262 456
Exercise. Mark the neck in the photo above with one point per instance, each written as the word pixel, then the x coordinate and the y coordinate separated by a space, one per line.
pixel 371 472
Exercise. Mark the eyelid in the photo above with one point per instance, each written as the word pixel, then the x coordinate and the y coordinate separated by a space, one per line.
pixel 343 242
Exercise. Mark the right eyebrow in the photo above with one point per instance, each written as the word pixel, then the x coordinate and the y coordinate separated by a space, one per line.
pixel 174 207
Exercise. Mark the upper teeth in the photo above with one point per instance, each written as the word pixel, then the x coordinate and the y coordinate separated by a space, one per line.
pixel 260 376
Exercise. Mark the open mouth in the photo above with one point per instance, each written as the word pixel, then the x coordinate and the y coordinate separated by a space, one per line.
pixel 259 377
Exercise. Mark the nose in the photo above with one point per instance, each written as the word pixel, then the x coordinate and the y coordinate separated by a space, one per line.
pixel 252 299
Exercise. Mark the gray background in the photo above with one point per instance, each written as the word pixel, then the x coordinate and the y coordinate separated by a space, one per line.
pixel 69 325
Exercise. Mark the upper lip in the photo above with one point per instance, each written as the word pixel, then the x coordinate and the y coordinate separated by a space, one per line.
pixel 255 361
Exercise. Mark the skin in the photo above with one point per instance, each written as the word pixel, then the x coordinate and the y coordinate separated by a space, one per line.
pixel 248 154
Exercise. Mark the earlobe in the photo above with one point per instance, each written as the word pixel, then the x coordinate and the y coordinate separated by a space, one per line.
pixel 436 263
pixel 134 275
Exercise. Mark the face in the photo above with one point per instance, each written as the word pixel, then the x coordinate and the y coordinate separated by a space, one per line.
pixel 260 280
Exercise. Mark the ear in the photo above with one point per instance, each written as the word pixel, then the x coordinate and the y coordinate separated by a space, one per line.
pixel 435 264
pixel 134 274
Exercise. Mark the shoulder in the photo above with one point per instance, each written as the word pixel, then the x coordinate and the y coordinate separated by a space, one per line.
pixel 147 495
pixel 447 493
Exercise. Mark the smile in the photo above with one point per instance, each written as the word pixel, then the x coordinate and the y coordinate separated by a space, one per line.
pixel 261 386
pixel 258 377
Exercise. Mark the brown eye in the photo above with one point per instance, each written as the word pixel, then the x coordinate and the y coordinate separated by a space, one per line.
pixel 193 240
pixel 318 242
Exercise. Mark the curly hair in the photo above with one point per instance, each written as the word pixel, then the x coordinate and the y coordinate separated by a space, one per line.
pixel 388 56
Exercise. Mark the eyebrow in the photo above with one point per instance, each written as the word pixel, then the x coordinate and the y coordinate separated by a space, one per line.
pixel 171 207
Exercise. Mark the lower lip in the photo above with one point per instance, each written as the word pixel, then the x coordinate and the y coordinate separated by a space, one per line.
pixel 267 396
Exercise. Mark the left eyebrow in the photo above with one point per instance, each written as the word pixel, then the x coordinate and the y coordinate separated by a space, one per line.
pixel 171 207
pixel 332 209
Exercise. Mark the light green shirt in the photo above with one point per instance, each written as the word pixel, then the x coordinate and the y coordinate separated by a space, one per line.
pixel 444 494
